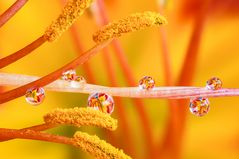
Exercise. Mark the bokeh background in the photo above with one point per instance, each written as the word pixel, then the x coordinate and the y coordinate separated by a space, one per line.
pixel 215 135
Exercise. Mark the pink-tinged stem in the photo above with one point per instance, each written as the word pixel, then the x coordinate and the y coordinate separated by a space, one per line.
pixel 20 91
pixel 124 124
pixel 79 48
pixel 140 107
pixel 11 11
pixel 34 135
pixel 176 92
pixel 23 52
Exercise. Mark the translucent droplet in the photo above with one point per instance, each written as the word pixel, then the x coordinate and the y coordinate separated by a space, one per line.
pixel 102 102
pixel 199 106
pixel 146 82
pixel 35 96
pixel 69 75
pixel 214 83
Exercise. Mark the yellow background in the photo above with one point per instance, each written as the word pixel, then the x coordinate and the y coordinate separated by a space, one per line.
pixel 214 136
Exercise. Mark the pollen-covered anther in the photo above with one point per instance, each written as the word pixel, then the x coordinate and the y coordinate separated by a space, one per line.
pixel 131 23
pixel 70 13
pixel 80 117
pixel 97 148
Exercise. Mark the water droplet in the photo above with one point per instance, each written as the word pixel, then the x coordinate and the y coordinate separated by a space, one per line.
pixel 214 83
pixel 35 96
pixel 69 75
pixel 102 102
pixel 199 106
pixel 146 82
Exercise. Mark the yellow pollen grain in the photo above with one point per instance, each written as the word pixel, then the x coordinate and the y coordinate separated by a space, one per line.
pixel 131 23
pixel 70 13
pixel 98 148
pixel 80 117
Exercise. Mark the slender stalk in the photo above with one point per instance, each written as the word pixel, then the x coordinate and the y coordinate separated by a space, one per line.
pixel 186 77
pixel 70 13
pixel 124 63
pixel 167 63
pixel 112 77
pixel 40 127
pixel 11 11
pixel 79 48
pixel 34 135
pixel 23 52
pixel 140 107
pixel 173 108
pixel 121 110
pixel 20 91
pixel 178 92
pixel 190 61
pixel 88 71
pixel 109 67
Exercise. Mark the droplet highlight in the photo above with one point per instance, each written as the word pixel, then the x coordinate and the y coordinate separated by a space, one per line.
pixel 214 83
pixel 102 102
pixel 199 106
pixel 146 83
pixel 69 75
pixel 35 96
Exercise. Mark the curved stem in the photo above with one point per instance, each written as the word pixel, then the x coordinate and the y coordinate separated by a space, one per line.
pixel 186 78
pixel 166 59
pixel 20 91
pixel 11 11
pixel 167 66
pixel 178 92
pixel 121 109
pixel 172 121
pixel 112 78
pixel 140 107
pixel 87 69
pixel 79 48
pixel 23 52
pixel 40 127
pixel 34 135
pixel 190 61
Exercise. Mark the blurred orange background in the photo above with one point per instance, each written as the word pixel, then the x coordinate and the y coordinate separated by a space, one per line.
pixel 215 135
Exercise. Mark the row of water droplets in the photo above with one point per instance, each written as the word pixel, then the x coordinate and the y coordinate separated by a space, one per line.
pixel 198 106
pixel 98 101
